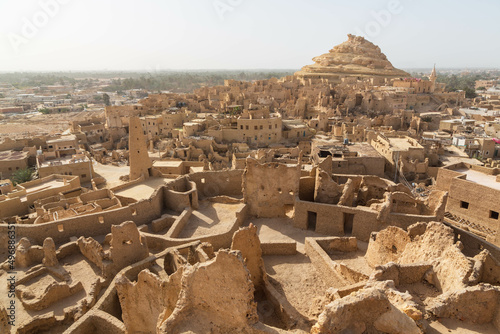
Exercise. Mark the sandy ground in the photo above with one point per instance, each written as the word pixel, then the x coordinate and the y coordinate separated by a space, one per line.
pixel 354 260
pixel 79 269
pixel 282 229
pixel 110 173
pixel 143 190
pixel 459 327
pixel 210 218
pixel 25 125
pixel 295 277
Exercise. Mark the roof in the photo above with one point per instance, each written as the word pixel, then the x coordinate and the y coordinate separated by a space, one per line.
pixel 167 163
pixel 13 155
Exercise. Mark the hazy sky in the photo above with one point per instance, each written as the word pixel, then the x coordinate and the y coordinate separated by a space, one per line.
pixel 150 35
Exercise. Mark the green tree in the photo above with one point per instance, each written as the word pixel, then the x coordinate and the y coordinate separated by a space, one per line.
pixel 470 93
pixel 23 175
pixel 106 99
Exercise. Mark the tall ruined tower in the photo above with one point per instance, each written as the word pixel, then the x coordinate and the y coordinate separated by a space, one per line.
pixel 138 152
pixel 433 78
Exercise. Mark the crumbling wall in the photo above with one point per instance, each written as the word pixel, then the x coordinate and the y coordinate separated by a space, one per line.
pixel 331 272
pixel 326 190
pixel 268 188
pixel 489 268
pixel 402 274
pixel 306 188
pixel 335 219
pixel 365 311
pixel 247 242
pixel 428 246
pixel 477 304
pixel 217 183
pixel 27 255
pixel 98 322
pixel 127 246
pixel 95 224
pixel 92 250
pixel 338 244
pixel 217 296
pixel 52 293
pixel 180 194
pixel 142 302
pixel 386 246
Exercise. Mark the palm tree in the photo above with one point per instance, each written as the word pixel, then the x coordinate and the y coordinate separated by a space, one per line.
pixel 23 175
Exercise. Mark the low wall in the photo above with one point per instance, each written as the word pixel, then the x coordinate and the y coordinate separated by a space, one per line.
pixel 216 183
pixel 128 184
pixel 13 207
pixel 338 244
pixel 181 193
pixel 222 240
pixel 164 222
pixel 179 223
pixel 330 219
pixel 108 304
pixel 473 244
pixel 90 225
pixel 331 272
pixel 95 195
pixel 334 219
pixel 279 248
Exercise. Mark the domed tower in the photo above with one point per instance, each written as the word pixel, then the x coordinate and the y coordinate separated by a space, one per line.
pixel 433 78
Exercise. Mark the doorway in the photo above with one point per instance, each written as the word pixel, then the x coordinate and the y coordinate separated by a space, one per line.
pixel 311 220
pixel 348 223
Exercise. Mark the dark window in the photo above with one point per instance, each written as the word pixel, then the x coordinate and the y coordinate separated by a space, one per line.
pixel 464 205
pixel 493 214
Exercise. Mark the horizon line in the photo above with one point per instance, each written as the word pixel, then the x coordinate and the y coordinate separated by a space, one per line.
pixel 224 70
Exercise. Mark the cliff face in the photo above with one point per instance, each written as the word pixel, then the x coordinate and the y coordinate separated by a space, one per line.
pixel 356 57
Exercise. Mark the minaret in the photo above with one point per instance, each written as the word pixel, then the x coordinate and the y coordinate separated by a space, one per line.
pixel 138 150
pixel 433 78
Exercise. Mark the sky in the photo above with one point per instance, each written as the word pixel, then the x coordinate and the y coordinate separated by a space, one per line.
pixel 156 35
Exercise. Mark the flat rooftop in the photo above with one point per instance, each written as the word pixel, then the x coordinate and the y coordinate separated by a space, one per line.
pixel 62 139
pixel 13 155
pixel 142 190
pixel 402 144
pixel 480 178
pixel 363 150
pixel 63 161
pixel 54 183
pixel 453 155
pixel 167 163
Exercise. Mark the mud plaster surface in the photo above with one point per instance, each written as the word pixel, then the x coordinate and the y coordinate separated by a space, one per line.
pixel 210 218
